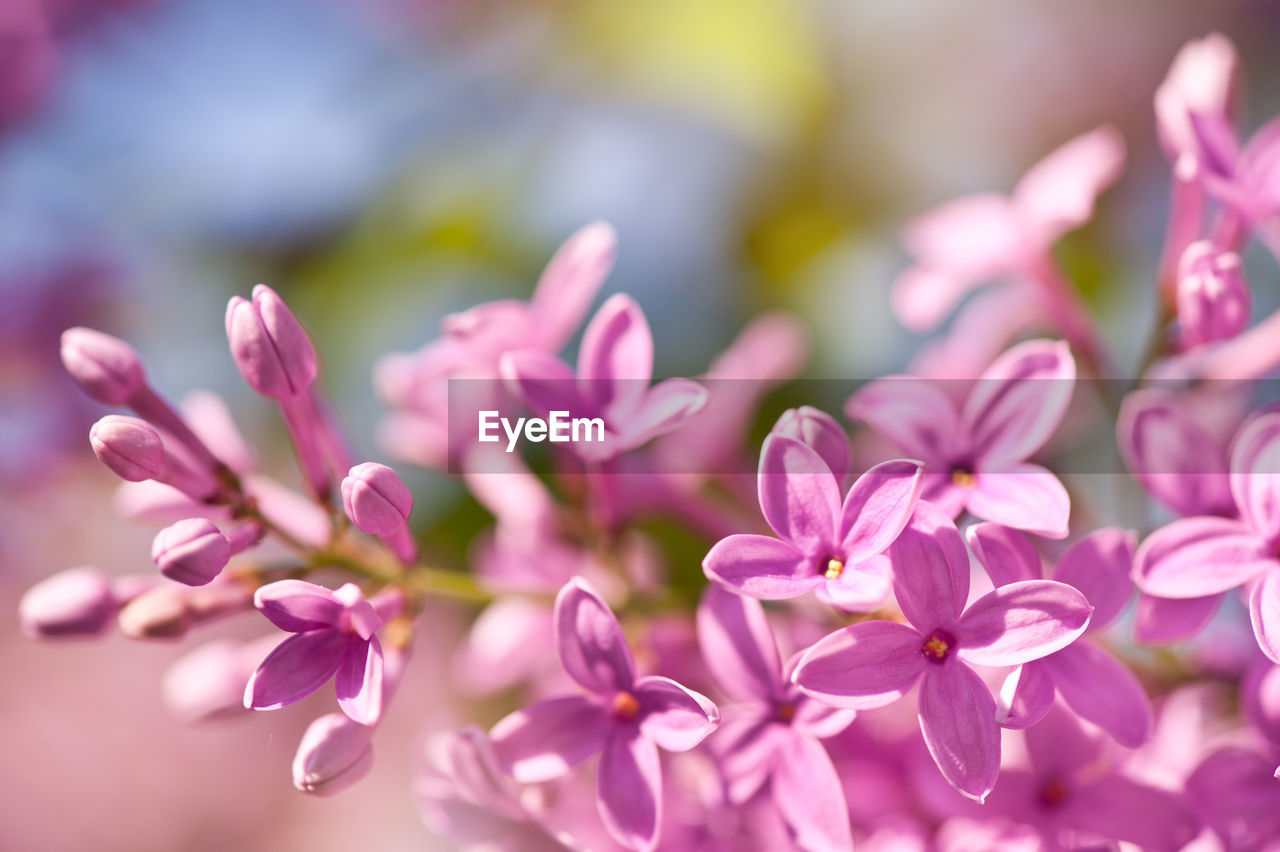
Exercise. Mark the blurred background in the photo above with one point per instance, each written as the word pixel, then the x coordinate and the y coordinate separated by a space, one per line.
pixel 383 162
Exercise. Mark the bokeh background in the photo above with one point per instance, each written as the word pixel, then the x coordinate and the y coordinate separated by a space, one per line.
pixel 383 162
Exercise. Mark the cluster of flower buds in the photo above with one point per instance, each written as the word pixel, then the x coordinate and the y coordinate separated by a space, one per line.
pixel 963 675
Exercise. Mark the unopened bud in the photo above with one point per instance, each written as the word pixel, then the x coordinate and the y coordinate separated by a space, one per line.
pixel 106 368
pixel 1213 296
pixel 75 602
pixel 193 551
pixel 334 754
pixel 375 499
pixel 132 448
pixel 269 345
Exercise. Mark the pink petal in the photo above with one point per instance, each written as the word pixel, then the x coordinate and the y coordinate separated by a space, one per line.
pixel 666 406
pixel 931 570
pixel 675 717
pixel 1018 403
pixel 810 796
pixel 1026 695
pixel 738 646
pixel 1255 475
pixel 1060 746
pixel 629 790
pixel 1264 612
pixel 912 414
pixel 571 281
pixel 543 383
pixel 799 495
pixel 297 606
pixel 359 682
pixel 1021 622
pixel 1261 696
pixel 761 567
pixel 1197 557
pixel 878 506
pixel 745 747
pixel 862 666
pixel 976 236
pixel 1164 620
pixel 1236 793
pixel 589 640
pixel 1102 690
pixel 1100 566
pixel 1058 193
pixel 1006 554
pixel 958 720
pixel 923 296
pixel 296 668
pixel 1024 496
pixel 820 720
pixel 1122 809
pixel 615 360
pixel 547 739
pixel 861 587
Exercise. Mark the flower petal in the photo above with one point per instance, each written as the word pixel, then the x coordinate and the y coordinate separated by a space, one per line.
pixel 1121 809
pixel 1197 557
pixel 571 281
pixel 1101 566
pixel 297 606
pixel 1255 475
pixel 958 720
pixel 820 720
pixel 913 414
pixel 1163 620
pixel 1264 612
pixel 1006 554
pixel 615 360
pixel 862 666
pixel 1059 745
pixel 589 640
pixel 1102 690
pixel 629 788
pixel 810 796
pixel 296 668
pixel 760 567
pixel 545 740
pixel 931 570
pixel 666 406
pixel 861 587
pixel 923 296
pixel 675 717
pixel 542 382
pixel 1021 622
pixel 799 495
pixel 359 682
pixel 744 747
pixel 1026 695
pixel 878 506
pixel 1023 496
pixel 1057 194
pixel 1019 401
pixel 738 646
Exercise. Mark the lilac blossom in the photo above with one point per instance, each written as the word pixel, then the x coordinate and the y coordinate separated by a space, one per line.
pixel 624 718
pixel 975 455
pixel 874 663
pixel 1092 682
pixel 1213 297
pixel 824 544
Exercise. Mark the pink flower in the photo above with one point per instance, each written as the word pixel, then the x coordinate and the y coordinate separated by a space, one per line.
pixel 823 544
pixel 874 663
pixel 1213 297
pixel 624 718
pixel 975 457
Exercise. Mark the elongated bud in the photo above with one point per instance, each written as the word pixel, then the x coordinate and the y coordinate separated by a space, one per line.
pixel 1213 297
pixel 194 551
pixel 819 431
pixel 132 448
pixel 334 754
pixel 269 345
pixel 106 368
pixel 75 602
pixel 168 612
pixel 378 503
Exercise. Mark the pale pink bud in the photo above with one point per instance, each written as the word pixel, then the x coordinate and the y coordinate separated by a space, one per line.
pixel 208 683
pixel 1213 296
pixel 375 499
pixel 106 368
pixel 334 753
pixel 132 448
pixel 269 345
pixel 168 612
pixel 820 432
pixel 192 551
pixel 75 602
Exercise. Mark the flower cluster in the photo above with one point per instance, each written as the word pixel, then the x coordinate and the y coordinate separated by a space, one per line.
pixel 982 663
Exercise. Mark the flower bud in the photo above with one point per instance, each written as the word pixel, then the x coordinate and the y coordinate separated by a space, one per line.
pixel 132 448
pixel 208 683
pixel 820 432
pixel 75 602
pixel 334 753
pixel 269 345
pixel 375 499
pixel 1213 297
pixel 156 614
pixel 106 368
pixel 193 551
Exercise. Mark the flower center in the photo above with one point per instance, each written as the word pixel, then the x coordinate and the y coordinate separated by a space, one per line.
pixel 625 707
pixel 1054 793
pixel 786 711
pixel 963 477
pixel 834 569
pixel 936 647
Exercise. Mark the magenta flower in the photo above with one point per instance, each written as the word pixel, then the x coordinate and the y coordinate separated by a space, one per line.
pixel 1213 297
pixel 1245 179
pixel 333 638
pixel 875 663
pixel 774 732
pixel 624 718
pixel 1235 792
pixel 1204 556
pixel 1094 684
pixel 615 366
pixel 822 545
pixel 975 457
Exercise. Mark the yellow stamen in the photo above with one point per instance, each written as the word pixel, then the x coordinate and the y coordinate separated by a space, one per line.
pixel 964 478
pixel 834 569
pixel 935 648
